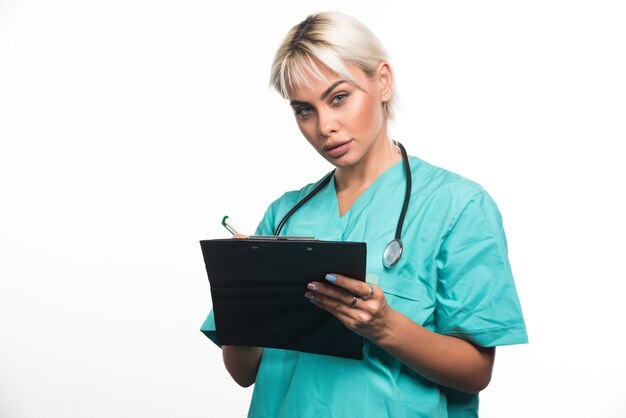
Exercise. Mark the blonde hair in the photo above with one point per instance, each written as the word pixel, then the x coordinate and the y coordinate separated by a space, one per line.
pixel 332 39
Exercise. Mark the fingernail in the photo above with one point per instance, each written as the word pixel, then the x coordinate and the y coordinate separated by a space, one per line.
pixel 314 302
pixel 312 286
pixel 309 295
pixel 331 278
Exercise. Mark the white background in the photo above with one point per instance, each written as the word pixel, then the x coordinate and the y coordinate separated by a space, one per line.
pixel 129 128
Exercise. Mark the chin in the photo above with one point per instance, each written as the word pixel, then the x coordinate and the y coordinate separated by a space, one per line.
pixel 342 162
pixel 348 159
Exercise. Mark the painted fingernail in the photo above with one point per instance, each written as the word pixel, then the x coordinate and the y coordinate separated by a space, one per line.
pixel 312 286
pixel 331 278
pixel 309 295
pixel 314 302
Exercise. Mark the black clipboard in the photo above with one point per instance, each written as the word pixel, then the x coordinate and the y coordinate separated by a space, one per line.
pixel 258 286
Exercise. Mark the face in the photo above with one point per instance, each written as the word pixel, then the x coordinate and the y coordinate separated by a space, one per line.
pixel 343 122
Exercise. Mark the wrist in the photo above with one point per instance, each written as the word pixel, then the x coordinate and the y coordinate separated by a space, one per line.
pixel 387 333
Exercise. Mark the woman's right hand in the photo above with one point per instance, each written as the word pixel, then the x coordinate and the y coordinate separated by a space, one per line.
pixel 242 363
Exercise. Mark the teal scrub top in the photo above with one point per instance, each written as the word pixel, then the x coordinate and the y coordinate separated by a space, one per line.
pixel 453 278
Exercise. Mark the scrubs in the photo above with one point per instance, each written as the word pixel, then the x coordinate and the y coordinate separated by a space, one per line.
pixel 453 278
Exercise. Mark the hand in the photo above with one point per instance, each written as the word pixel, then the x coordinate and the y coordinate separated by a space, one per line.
pixel 361 307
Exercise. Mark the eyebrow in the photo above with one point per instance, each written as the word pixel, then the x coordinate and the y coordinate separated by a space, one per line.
pixel 323 95
pixel 331 88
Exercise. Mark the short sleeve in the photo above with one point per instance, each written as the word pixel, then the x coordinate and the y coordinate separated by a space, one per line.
pixel 208 327
pixel 266 226
pixel 476 295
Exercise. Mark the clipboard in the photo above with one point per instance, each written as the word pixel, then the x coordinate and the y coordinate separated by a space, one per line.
pixel 258 286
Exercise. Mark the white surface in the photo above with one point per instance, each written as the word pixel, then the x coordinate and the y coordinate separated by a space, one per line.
pixel 129 128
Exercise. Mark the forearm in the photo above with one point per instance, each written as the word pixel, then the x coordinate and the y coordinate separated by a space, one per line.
pixel 445 360
pixel 242 363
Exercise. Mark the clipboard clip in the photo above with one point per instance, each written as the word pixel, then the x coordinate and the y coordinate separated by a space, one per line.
pixel 281 238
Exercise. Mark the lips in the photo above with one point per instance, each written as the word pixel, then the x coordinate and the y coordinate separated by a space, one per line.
pixel 337 149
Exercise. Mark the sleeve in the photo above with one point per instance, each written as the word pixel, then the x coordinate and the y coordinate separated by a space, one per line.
pixel 208 328
pixel 476 295
pixel 266 227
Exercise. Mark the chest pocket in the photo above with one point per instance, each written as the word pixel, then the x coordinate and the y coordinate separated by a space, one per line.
pixel 402 294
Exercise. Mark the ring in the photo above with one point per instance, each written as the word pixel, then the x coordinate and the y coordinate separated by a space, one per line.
pixel 354 301
pixel 370 294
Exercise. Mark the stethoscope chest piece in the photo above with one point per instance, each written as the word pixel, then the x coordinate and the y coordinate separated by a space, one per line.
pixel 392 253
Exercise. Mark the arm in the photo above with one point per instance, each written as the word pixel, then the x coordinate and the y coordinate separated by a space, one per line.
pixel 445 360
pixel 242 363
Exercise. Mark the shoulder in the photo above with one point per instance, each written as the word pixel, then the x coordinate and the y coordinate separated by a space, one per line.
pixel 450 194
pixel 436 180
pixel 279 208
pixel 291 197
pixel 443 186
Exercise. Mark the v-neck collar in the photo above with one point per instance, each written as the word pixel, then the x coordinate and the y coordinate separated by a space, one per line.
pixel 391 174
pixel 320 217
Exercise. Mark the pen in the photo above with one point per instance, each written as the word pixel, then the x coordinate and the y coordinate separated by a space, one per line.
pixel 229 226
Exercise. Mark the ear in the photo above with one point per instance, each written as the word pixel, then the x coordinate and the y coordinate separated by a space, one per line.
pixel 385 78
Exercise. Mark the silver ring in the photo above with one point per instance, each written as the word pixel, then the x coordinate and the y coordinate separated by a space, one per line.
pixel 370 294
pixel 354 301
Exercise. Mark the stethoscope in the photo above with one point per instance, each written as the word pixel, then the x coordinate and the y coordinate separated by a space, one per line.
pixel 393 251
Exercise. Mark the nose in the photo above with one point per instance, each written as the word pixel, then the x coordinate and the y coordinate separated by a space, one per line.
pixel 327 123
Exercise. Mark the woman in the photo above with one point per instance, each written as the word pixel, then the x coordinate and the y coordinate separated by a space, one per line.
pixel 430 319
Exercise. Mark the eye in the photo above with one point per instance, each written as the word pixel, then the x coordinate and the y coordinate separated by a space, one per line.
pixel 303 111
pixel 339 98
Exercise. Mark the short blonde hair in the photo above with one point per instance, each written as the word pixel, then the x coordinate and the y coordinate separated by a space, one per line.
pixel 332 39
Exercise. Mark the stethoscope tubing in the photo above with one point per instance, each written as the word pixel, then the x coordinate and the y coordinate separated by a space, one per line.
pixel 395 246
pixel 306 198
pixel 407 191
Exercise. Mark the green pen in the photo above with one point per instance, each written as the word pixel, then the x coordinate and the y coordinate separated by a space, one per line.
pixel 229 226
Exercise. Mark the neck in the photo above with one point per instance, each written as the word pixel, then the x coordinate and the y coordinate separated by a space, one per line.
pixel 378 159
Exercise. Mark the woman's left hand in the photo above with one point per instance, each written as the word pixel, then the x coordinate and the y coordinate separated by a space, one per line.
pixel 360 306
